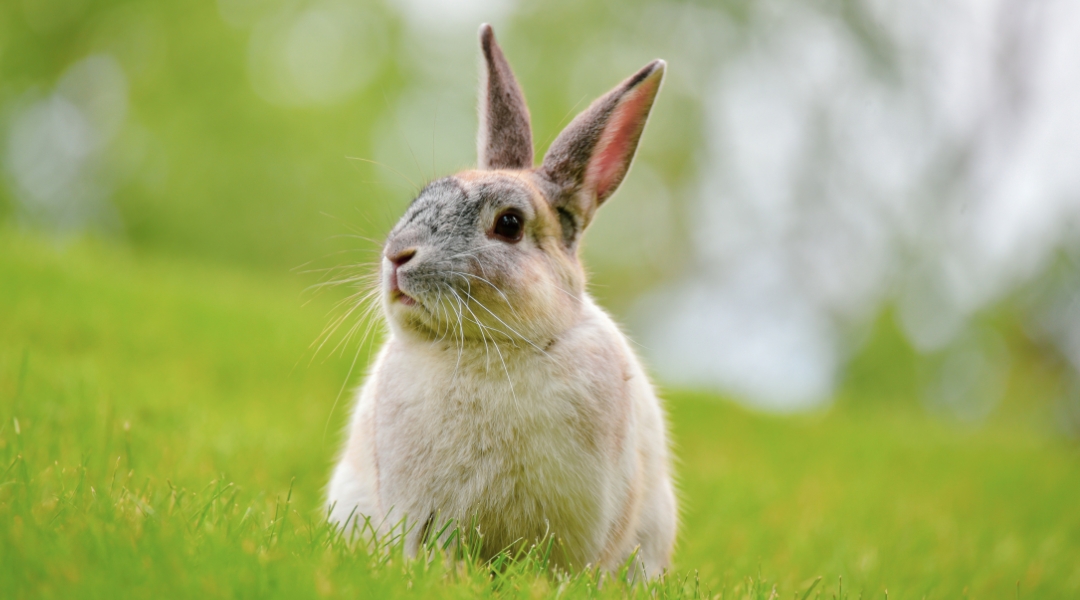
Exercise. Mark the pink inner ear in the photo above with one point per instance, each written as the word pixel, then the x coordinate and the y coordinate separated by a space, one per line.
pixel 616 145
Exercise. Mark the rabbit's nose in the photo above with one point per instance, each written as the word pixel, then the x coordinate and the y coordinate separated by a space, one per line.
pixel 402 257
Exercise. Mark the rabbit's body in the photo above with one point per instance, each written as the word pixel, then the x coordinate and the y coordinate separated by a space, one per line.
pixel 576 448
pixel 505 398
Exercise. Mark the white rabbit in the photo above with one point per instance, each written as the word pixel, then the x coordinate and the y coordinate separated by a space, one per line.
pixel 504 397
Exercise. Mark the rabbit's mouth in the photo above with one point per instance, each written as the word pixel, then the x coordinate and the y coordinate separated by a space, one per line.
pixel 400 296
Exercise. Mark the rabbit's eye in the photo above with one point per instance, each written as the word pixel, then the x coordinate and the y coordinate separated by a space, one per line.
pixel 509 226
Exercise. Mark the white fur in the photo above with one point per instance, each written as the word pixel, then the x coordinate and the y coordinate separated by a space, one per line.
pixel 577 446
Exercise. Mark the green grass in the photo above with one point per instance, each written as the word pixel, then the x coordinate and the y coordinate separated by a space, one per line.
pixel 166 432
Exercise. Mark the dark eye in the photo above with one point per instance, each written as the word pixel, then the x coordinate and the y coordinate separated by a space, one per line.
pixel 509 226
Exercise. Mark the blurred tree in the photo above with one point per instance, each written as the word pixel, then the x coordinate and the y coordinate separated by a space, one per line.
pixel 809 167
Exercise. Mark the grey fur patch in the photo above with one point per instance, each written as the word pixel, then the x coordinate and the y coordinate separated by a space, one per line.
pixel 447 224
pixel 569 225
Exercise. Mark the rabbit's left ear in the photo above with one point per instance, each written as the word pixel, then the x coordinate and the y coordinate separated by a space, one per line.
pixel 589 159
pixel 505 138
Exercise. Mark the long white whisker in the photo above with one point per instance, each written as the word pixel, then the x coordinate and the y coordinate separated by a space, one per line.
pixel 483 334
pixel 365 317
pixel 438 321
pixel 357 279
pixel 340 391
pixel 507 371
pixel 493 286
pixel 502 361
pixel 512 330
pixel 329 331
pixel 461 335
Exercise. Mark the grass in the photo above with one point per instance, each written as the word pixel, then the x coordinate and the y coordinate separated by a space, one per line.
pixel 164 431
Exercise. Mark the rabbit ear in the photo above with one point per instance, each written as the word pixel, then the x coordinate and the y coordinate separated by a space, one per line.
pixel 589 159
pixel 505 138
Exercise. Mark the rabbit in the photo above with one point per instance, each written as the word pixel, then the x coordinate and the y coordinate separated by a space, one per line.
pixel 504 399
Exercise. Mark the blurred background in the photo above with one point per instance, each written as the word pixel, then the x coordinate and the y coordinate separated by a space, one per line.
pixel 855 202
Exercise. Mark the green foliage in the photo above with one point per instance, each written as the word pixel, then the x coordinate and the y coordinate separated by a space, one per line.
pixel 165 430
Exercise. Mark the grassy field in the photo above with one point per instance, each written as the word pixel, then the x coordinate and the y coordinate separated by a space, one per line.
pixel 165 431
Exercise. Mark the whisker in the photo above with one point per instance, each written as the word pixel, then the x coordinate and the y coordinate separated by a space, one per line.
pixel 297 268
pixel 345 223
pixel 357 236
pixel 493 286
pixel 416 188
pixel 525 339
pixel 329 331
pixel 340 391
pixel 336 282
pixel 462 304
pixel 461 334
pixel 494 343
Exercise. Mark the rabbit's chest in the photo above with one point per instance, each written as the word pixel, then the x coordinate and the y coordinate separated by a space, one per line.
pixel 527 454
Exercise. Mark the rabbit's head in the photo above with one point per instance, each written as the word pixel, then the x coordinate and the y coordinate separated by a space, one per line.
pixel 492 254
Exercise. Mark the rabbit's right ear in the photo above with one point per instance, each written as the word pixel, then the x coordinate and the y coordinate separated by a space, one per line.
pixel 505 138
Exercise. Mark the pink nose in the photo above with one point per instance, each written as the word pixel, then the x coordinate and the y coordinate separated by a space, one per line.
pixel 402 257
pixel 397 260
